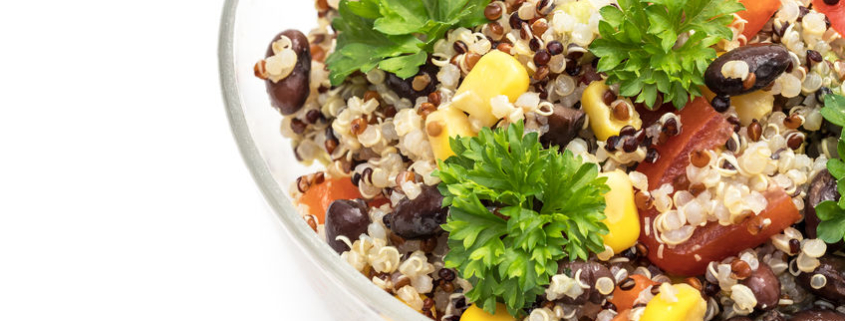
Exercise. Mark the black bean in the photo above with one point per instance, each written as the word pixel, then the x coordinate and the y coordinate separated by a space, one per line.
pixel 405 88
pixel 831 2
pixel 348 218
pixel 289 94
pixel 419 218
pixel 765 286
pixel 564 125
pixel 766 61
pixel 833 269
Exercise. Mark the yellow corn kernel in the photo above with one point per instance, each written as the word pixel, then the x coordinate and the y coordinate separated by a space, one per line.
pixel 442 124
pixel 474 313
pixel 495 74
pixel 602 121
pixel 623 219
pixel 754 105
pixel 686 306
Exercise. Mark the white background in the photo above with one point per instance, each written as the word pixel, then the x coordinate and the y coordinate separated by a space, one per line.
pixel 122 193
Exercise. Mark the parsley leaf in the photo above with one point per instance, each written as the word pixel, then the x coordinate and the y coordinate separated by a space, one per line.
pixel 640 46
pixel 516 210
pixel 831 229
pixel 395 35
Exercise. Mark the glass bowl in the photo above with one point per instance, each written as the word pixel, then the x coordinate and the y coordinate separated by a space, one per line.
pixel 246 29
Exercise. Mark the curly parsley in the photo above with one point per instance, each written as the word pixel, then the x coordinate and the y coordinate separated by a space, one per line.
pixel 641 47
pixel 395 35
pixel 516 210
pixel 831 229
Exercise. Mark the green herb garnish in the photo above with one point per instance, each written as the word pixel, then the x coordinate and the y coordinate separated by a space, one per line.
pixel 548 206
pixel 831 229
pixel 395 35
pixel 640 48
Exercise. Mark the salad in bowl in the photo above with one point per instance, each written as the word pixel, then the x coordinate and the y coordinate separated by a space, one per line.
pixel 611 160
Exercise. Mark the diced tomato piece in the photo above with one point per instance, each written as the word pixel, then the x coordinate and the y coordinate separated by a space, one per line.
pixel 757 13
pixel 835 13
pixel 703 128
pixel 714 242
pixel 624 299
pixel 320 196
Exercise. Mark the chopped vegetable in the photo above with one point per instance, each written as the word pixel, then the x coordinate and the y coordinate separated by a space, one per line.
pixel 835 13
pixel 602 120
pixel 624 299
pixel 661 46
pixel 714 242
pixel 831 229
pixel 476 90
pixel 703 128
pixel 682 303
pixel 320 196
pixel 395 35
pixel 623 220
pixel 544 206
pixel 757 13
pixel 443 124
pixel 706 129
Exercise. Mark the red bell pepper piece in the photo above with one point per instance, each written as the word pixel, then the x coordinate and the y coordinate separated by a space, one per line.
pixel 320 196
pixel 714 242
pixel 757 13
pixel 835 13
pixel 704 128
pixel 701 128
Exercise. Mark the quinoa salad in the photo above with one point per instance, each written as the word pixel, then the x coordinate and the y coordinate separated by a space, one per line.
pixel 544 160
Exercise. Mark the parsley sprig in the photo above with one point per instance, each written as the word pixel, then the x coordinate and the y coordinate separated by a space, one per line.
pixel 516 210
pixel 640 48
pixel 831 229
pixel 395 35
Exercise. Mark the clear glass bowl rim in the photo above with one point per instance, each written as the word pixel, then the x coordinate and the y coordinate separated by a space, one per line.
pixel 352 282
